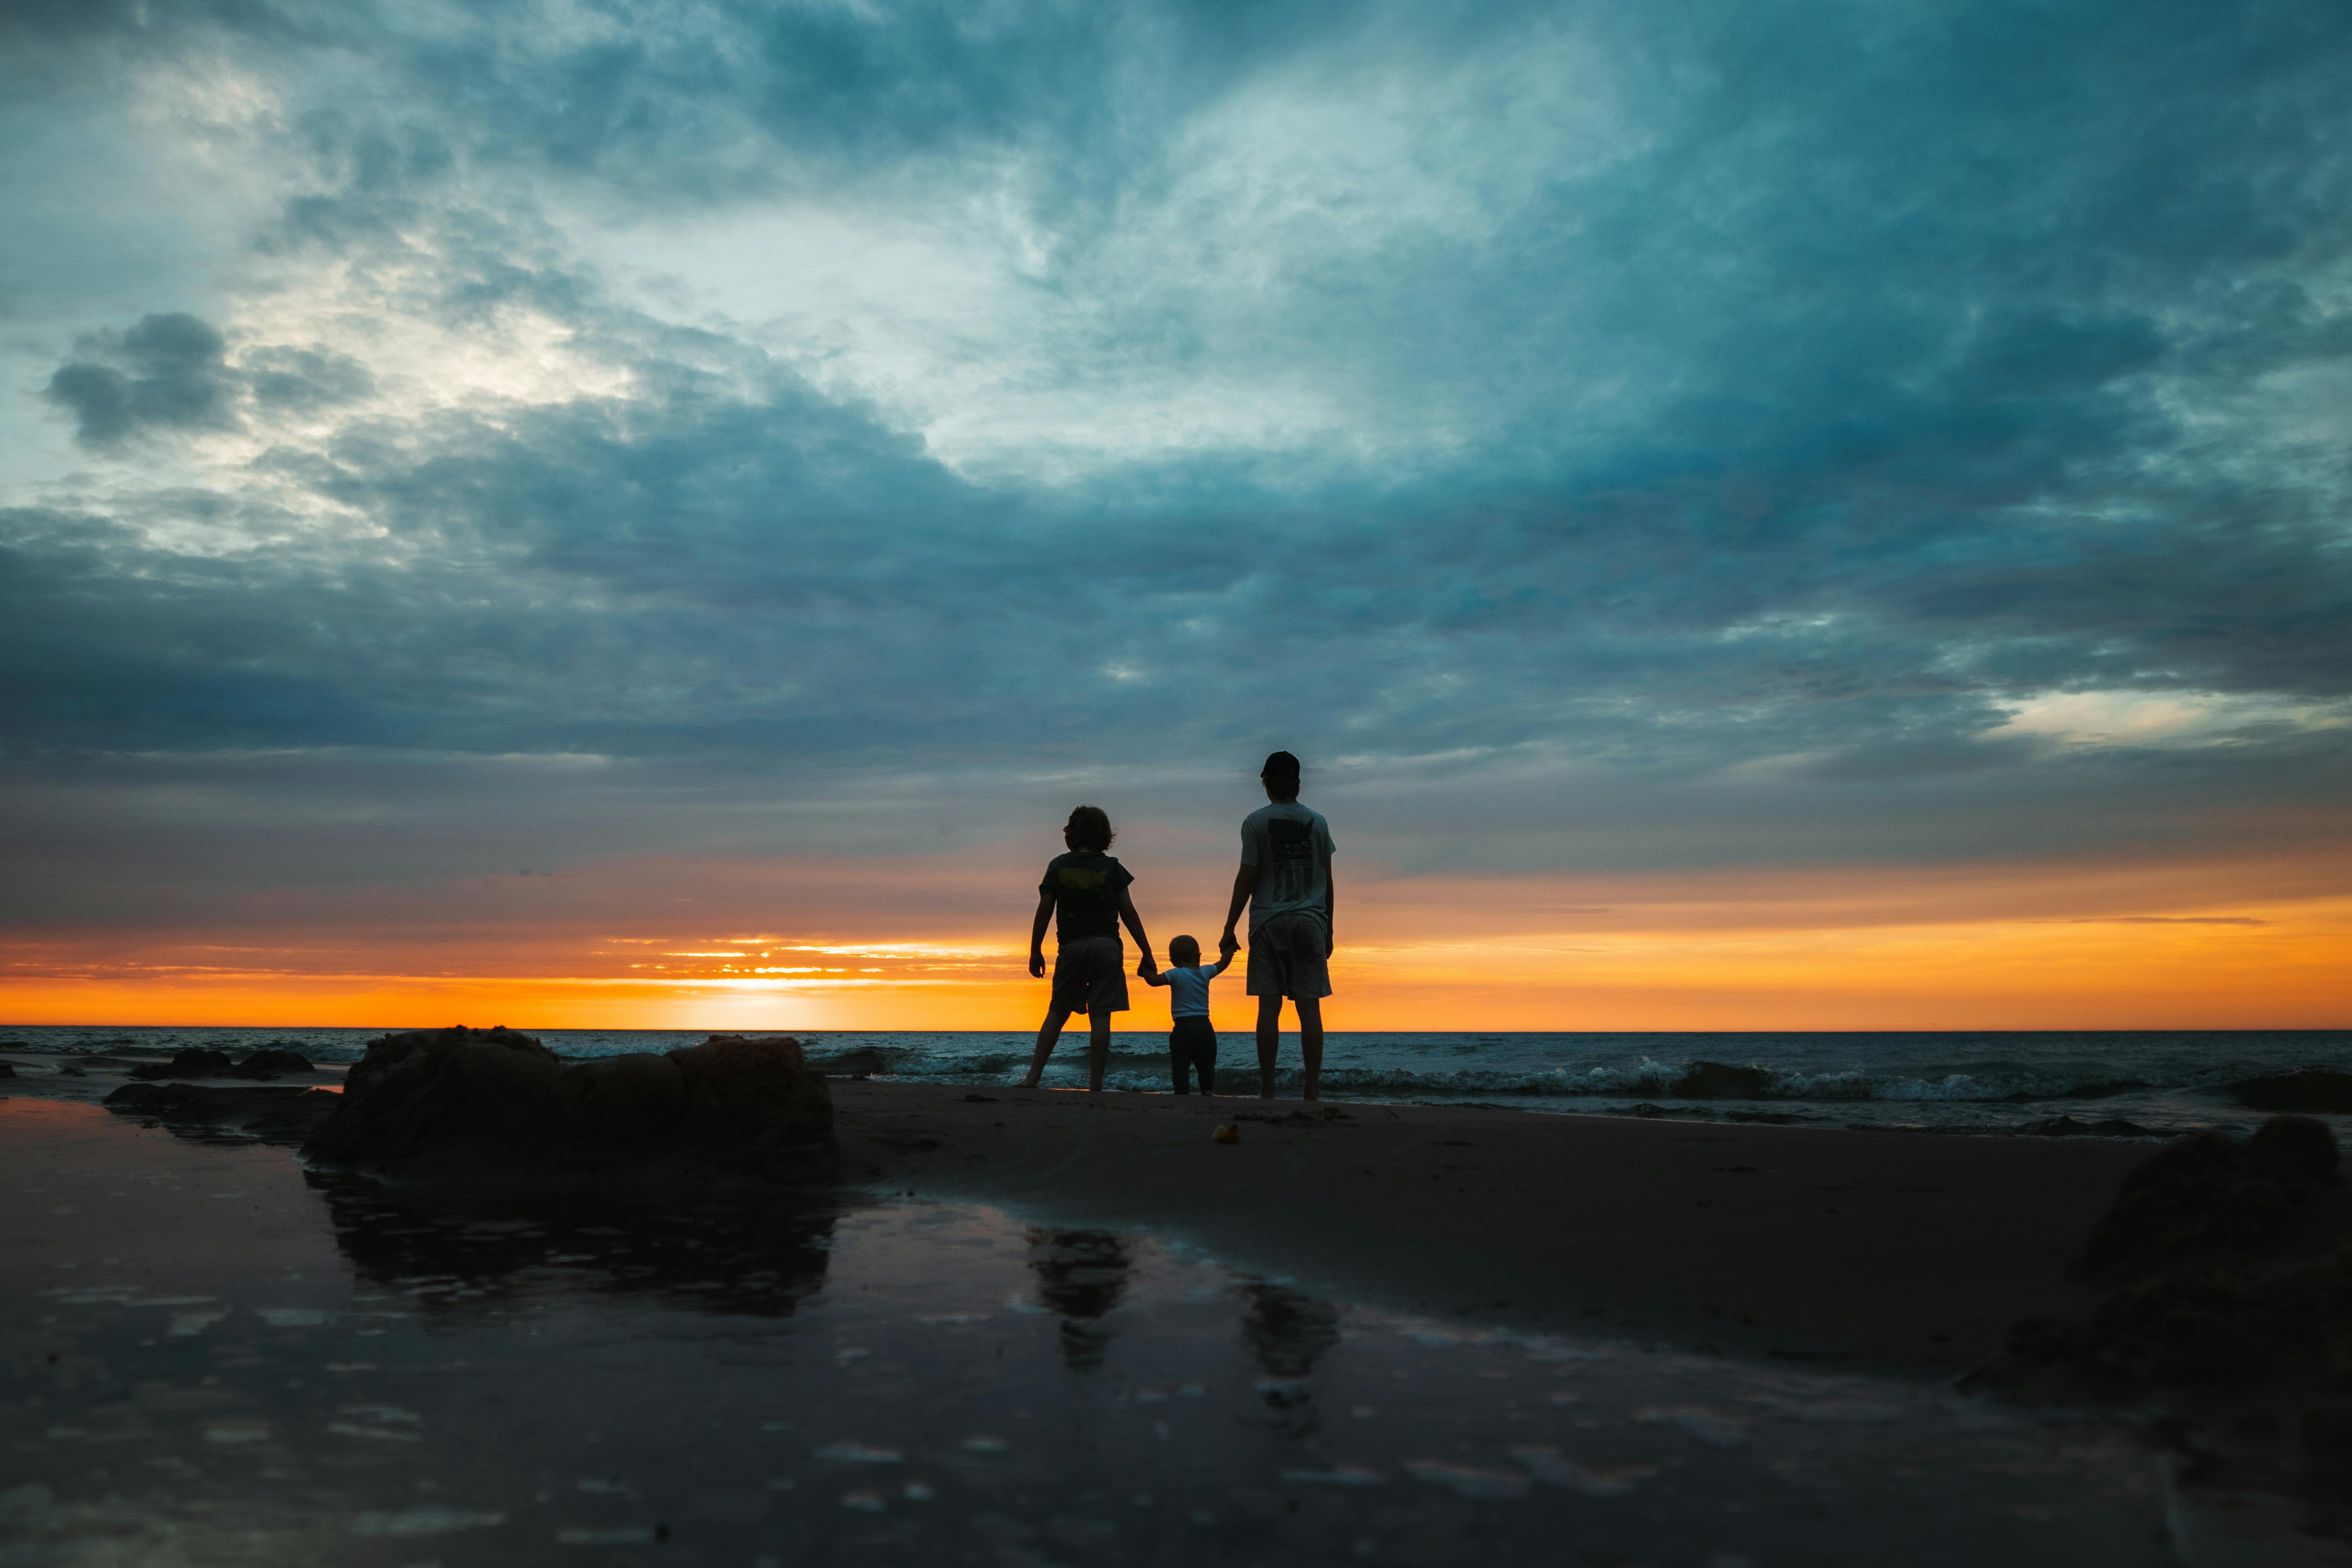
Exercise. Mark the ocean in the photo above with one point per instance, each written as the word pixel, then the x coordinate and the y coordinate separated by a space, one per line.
pixel 2136 1083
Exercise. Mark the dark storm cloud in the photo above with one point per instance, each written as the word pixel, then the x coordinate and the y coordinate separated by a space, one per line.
pixel 1831 382
pixel 173 375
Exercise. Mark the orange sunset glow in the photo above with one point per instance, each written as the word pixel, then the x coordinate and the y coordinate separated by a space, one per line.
pixel 2065 946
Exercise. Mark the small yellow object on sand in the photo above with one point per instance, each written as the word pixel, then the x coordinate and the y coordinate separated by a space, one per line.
pixel 1230 1132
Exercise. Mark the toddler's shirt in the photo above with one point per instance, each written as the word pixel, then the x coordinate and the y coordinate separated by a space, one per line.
pixel 1188 989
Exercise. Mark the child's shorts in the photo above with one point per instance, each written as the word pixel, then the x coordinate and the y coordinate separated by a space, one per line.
pixel 1090 975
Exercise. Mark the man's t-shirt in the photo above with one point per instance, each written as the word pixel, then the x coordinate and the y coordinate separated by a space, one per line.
pixel 1291 848
pixel 1085 885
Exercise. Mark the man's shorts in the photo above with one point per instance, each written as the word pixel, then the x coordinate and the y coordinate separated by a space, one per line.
pixel 1288 957
pixel 1090 975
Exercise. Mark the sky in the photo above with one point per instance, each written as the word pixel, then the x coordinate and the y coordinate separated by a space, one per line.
pixel 1775 515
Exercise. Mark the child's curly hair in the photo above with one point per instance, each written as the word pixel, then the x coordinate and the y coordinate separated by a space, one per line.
pixel 1090 828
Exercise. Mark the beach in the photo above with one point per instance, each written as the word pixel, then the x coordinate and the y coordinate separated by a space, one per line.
pixel 218 1357
pixel 1056 1326
pixel 1886 1249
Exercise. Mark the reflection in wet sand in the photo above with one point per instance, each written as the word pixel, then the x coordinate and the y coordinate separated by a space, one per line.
pixel 1082 1275
pixel 759 1254
pixel 1287 1332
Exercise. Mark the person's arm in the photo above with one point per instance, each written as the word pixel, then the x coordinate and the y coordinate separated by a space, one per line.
pixel 1330 899
pixel 1244 884
pixel 1224 962
pixel 1149 966
pixel 1037 935
pixel 1151 976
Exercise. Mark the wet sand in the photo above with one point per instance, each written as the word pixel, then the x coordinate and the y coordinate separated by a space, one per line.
pixel 1883 1251
pixel 214 1356
pixel 1889 1251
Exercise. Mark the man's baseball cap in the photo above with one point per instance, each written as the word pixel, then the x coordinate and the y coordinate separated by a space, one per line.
pixel 1280 764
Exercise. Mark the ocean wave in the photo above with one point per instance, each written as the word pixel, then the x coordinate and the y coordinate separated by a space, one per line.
pixel 1720 1080
pixel 1648 1081
pixel 2310 1089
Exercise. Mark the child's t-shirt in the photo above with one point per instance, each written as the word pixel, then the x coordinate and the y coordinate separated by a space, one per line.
pixel 1085 886
pixel 1188 989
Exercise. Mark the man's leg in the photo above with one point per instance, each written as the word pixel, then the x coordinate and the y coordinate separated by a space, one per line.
pixel 1311 1044
pixel 1098 1050
pixel 1269 1033
pixel 1048 1034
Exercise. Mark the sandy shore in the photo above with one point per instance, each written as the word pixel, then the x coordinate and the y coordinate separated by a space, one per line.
pixel 1880 1250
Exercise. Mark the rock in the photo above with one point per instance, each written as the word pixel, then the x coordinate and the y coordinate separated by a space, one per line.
pixel 2209 1191
pixel 269 1063
pixel 2068 1127
pixel 273 1115
pixel 466 1102
pixel 198 1063
pixel 2306 1088
pixel 2219 1274
pixel 1714 1080
pixel 205 1062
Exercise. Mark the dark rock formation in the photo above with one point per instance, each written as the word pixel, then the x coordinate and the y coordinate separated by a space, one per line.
pixel 1714 1080
pixel 273 1115
pixel 471 1102
pixel 2068 1127
pixel 268 1063
pixel 197 1063
pixel 2306 1088
pixel 2227 1258
pixel 204 1062
pixel 2211 1193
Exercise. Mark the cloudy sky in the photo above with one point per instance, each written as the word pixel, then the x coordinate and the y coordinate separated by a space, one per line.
pixel 1776 514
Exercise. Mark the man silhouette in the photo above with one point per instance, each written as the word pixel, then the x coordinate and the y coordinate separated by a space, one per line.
pixel 1286 880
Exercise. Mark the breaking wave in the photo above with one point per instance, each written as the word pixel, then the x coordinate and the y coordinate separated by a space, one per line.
pixel 2310 1089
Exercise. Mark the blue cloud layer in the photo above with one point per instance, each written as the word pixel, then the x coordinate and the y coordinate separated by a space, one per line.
pixel 1656 392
